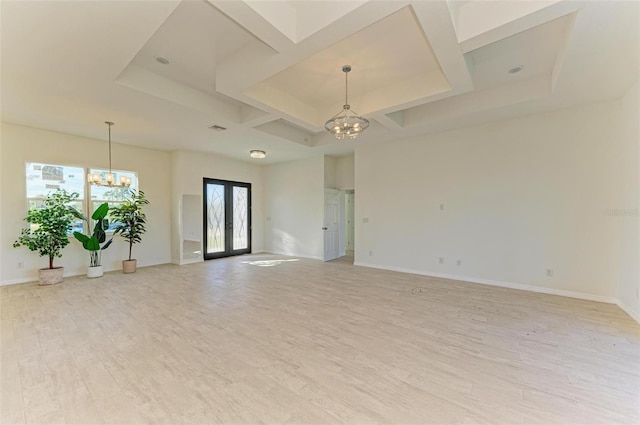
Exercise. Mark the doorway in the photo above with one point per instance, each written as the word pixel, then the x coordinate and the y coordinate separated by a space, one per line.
pixel 349 223
pixel 332 219
pixel 226 218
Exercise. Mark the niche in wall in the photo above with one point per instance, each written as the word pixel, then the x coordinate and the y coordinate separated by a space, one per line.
pixel 191 227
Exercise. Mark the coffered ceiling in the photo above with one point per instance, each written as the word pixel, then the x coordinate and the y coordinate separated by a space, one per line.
pixel 270 71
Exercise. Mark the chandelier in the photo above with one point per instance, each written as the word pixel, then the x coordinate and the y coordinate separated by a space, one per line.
pixel 109 180
pixel 346 123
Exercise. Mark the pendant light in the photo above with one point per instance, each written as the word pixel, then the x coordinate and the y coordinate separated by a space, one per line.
pixel 109 179
pixel 347 123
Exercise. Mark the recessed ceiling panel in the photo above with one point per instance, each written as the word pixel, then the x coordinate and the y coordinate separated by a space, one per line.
pixel 535 50
pixel 195 39
pixel 392 63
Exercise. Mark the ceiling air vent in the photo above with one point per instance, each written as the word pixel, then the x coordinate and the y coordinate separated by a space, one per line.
pixel 217 127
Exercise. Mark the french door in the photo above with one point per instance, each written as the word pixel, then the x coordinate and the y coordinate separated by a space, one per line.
pixel 227 218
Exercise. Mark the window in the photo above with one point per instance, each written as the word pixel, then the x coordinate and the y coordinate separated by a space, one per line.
pixel 43 179
pixel 112 195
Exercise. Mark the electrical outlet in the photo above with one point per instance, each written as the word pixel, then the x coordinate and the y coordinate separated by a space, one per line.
pixel 370 253
pixel 441 260
pixel 20 265
pixel 548 273
pixel 441 207
pixel 459 262
pixel 365 220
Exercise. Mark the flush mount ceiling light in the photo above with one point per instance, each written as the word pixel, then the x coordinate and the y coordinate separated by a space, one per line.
pixel 347 123
pixel 109 180
pixel 162 60
pixel 257 154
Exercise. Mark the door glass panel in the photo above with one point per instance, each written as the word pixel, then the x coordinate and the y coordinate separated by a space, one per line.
pixel 240 213
pixel 215 218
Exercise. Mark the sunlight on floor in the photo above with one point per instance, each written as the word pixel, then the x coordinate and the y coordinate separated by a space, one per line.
pixel 268 263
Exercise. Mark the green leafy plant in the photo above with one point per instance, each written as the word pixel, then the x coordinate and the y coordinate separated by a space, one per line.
pixel 50 225
pixel 117 193
pixel 130 219
pixel 97 241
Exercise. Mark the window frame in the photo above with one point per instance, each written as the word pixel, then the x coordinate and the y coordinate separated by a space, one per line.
pixel 87 203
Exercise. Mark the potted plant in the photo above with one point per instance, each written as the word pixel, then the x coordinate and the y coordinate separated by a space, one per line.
pixel 97 242
pixel 48 231
pixel 130 224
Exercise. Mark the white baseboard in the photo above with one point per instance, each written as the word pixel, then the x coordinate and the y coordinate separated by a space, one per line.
pixel 34 278
pixel 635 316
pixel 190 261
pixel 18 281
pixel 530 288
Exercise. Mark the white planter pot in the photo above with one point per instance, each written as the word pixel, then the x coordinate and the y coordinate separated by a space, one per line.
pixel 96 271
pixel 51 276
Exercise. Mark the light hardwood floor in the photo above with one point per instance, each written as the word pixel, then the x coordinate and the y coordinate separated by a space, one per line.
pixel 248 340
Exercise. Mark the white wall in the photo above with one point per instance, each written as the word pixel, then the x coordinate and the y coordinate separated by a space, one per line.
pixel 189 168
pixel 330 172
pixel 625 213
pixel 192 217
pixel 19 144
pixel 344 172
pixel 294 208
pixel 519 196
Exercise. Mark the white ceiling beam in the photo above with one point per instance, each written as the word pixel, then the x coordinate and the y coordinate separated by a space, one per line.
pixel 521 24
pixel 562 51
pixel 140 79
pixel 437 24
pixel 260 66
pixel 249 18
pixel 252 117
pixel 393 121
pixel 287 131
pixel 458 106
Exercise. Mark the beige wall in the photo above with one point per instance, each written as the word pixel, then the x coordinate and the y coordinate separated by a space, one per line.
pixel 189 168
pixel 19 144
pixel 625 212
pixel 519 196
pixel 294 208
pixel 330 173
pixel 345 172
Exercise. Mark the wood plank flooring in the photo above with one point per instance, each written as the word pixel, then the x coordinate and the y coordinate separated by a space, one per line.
pixel 278 340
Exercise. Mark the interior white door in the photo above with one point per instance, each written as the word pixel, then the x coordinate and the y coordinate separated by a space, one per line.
pixel 331 224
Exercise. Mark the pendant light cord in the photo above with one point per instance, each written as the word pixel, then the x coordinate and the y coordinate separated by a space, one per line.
pixel 110 149
pixel 346 88
pixel 109 124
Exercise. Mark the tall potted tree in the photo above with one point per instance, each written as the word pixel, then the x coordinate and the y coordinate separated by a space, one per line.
pixel 48 231
pixel 130 224
pixel 97 241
